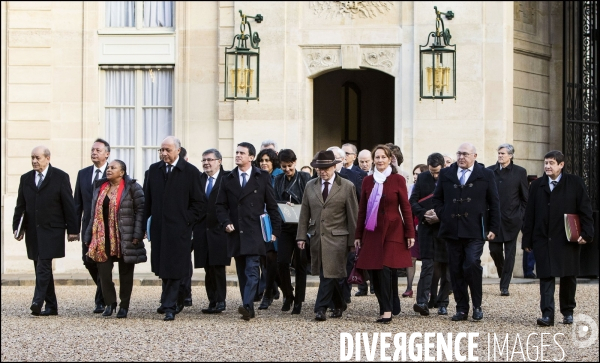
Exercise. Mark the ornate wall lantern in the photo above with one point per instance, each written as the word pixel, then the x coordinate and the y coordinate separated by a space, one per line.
pixel 242 63
pixel 438 62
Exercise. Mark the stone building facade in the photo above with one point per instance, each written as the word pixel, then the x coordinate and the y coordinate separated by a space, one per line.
pixel 56 58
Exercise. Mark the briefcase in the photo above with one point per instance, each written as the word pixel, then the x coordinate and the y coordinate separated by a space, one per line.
pixel 289 214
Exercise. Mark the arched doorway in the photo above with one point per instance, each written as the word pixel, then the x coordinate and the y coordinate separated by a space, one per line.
pixel 355 106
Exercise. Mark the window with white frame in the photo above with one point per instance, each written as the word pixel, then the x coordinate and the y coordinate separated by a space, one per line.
pixel 139 14
pixel 138 115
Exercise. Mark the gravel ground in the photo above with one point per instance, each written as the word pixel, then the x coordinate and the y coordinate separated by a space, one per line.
pixel 76 334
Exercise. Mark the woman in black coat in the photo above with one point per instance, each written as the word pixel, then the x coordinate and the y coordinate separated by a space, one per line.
pixel 115 233
pixel 289 188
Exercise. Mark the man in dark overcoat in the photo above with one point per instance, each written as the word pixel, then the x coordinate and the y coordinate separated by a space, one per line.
pixel 245 194
pixel 464 193
pixel 430 245
pixel 174 200
pixel 210 239
pixel 550 198
pixel 84 190
pixel 511 181
pixel 45 202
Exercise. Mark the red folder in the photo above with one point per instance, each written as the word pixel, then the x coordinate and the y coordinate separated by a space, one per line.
pixel 572 227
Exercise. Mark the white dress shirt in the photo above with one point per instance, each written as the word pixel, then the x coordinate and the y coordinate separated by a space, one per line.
pixel 330 181
pixel 214 180
pixel 467 173
pixel 37 175
pixel 248 173
pixel 557 180
pixel 102 169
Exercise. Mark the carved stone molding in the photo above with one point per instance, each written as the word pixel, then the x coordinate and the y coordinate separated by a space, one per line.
pixel 378 58
pixel 321 58
pixel 351 9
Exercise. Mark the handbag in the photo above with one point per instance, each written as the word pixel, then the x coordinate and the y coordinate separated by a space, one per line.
pixel 356 275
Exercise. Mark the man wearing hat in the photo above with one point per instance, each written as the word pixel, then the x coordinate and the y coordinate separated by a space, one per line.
pixel 328 215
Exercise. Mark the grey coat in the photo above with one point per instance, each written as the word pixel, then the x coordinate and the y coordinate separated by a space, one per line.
pixel 130 216
pixel 331 225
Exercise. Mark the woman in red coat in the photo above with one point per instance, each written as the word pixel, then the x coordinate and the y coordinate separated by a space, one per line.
pixel 380 231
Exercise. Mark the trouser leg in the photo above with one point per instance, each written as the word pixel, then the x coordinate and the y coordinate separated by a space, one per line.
pixel 345 285
pixel 456 258
pixel 44 284
pixel 528 263
pixel 383 285
pixel 171 288
pixel 125 283
pixel 93 271
pixel 185 289
pixel 566 294
pixel 250 279
pixel 473 271
pixel 329 293
pixel 547 287
pixel 510 250
pixel 300 258
pixel 445 286
pixel 220 282
pixel 435 280
pixel 210 285
pixel 424 285
pixel 240 267
pixel 108 287
pixel 272 275
pixel 497 254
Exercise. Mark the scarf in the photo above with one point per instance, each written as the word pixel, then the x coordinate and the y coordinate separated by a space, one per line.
pixel 375 197
pixel 97 249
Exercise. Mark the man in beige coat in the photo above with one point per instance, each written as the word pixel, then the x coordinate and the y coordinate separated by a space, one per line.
pixel 328 215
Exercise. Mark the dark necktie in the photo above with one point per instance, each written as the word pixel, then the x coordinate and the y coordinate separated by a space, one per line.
pixel 169 166
pixel 39 184
pixel 210 185
pixel 97 176
pixel 325 190
pixel 244 181
pixel 554 182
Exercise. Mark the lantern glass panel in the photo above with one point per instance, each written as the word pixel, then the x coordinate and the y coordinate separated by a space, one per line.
pixel 438 73
pixel 241 75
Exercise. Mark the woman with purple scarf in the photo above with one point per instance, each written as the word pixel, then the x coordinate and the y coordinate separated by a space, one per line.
pixel 381 234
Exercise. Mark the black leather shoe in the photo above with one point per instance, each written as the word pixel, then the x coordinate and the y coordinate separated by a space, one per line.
pixel 187 301
pixel 337 313
pixel 442 310
pixel 545 321
pixel 504 292
pixel 567 319
pixel 220 306
pixel 384 320
pixel 109 309
pixel 179 308
pixel 258 297
pixel 372 290
pixel 297 308
pixel 160 310
pixel 122 314
pixel 36 309
pixel 287 303
pixel 396 306
pixel 320 316
pixel 421 309
pixel 246 312
pixel 48 312
pixel 459 316
pixel 477 314
pixel 265 303
pixel 348 300
pixel 99 308
pixel 169 316
pixel 530 276
pixel 361 293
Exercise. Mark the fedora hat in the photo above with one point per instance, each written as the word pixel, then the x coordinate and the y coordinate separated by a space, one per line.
pixel 324 159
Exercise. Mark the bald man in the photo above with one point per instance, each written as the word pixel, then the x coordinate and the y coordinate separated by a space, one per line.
pixel 464 194
pixel 365 161
pixel 45 204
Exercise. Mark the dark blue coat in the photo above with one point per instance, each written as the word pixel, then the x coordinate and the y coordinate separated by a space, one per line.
pixel 243 207
pixel 462 209
pixel 84 190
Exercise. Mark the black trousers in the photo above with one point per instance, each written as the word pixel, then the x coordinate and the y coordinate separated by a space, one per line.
pixel 464 257
pixel 215 284
pixel 186 283
pixel 441 276
pixel 288 252
pixel 272 273
pixel 329 293
pixel 383 282
pixel 528 263
pixel 424 285
pixel 44 284
pixel 172 294
pixel 504 260
pixel 344 284
pixel 365 286
pixel 125 281
pixel 566 295
pixel 93 271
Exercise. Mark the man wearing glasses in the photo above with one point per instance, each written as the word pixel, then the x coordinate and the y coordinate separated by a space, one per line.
pixel 465 193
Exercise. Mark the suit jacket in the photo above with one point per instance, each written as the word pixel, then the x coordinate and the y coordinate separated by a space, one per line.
pixel 243 208
pixel 461 208
pixel 513 191
pixel 544 226
pixel 210 238
pixel 427 233
pixel 386 245
pixel 49 211
pixel 174 202
pixel 331 225
pixel 354 178
pixel 83 203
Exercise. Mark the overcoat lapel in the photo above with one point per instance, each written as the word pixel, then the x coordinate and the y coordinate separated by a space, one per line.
pixel 252 183
pixel 317 190
pixel 335 188
pixel 46 180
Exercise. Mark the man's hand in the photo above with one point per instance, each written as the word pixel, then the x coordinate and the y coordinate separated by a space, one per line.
pixel 491 236
pixel 135 241
pixel 73 237
pixel 431 217
pixel 581 241
pixel 273 238
pixel 301 244
pixel 229 228
pixel 357 243
pixel 527 249
pixel 18 238
pixel 410 242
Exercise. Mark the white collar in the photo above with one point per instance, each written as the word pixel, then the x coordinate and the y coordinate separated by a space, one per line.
pixel 215 176
pixel 102 168
pixel 330 181
pixel 44 172
pixel 557 178
pixel 174 163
